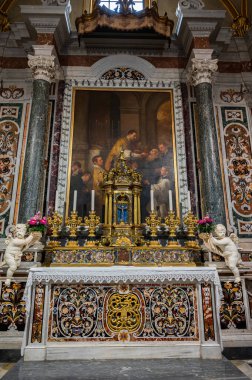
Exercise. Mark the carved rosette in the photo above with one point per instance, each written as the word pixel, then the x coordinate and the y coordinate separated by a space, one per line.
pixel 202 71
pixel 43 67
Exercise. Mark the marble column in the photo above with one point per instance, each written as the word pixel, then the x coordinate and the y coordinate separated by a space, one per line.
pixel 212 197
pixel 43 68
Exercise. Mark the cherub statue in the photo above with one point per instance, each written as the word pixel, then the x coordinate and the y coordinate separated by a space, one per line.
pixel 16 244
pixel 225 246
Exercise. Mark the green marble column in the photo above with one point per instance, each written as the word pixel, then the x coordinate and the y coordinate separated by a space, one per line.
pixel 212 197
pixel 33 174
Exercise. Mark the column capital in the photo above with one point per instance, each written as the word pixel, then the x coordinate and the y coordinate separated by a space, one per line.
pixel 190 4
pixel 202 70
pixel 42 66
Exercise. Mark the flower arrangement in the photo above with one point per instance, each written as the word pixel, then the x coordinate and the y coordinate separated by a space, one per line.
pixel 37 223
pixel 205 225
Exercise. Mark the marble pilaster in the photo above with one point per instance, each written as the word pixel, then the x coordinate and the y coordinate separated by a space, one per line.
pixel 212 198
pixel 43 68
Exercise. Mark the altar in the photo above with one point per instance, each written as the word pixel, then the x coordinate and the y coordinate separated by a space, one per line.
pixel 122 312
pixel 122 288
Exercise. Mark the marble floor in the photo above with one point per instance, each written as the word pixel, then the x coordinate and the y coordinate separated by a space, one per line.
pixel 179 369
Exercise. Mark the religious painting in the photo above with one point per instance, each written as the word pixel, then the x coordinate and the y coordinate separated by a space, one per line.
pixel 139 123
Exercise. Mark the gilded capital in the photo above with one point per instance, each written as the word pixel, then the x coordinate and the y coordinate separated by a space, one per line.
pixel 202 71
pixel 43 67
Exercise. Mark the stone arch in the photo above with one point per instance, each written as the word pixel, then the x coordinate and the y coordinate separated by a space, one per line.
pixel 122 60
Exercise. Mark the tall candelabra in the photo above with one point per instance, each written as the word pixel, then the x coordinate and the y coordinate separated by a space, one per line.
pixel 153 222
pixel 173 223
pixel 54 224
pixel 91 222
pixel 191 223
pixel 73 222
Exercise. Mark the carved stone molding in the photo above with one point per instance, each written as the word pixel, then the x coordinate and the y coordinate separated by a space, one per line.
pixel 55 2
pixel 191 4
pixel 202 71
pixel 43 67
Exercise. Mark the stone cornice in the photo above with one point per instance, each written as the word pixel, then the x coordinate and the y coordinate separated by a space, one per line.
pixel 49 19
pixel 202 71
pixel 197 23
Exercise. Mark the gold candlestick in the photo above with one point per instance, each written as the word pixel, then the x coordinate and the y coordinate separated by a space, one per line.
pixel 92 222
pixel 153 221
pixel 191 223
pixel 73 223
pixel 173 223
pixel 54 223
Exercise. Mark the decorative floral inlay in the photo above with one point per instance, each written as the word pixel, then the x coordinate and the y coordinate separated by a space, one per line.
pixel 232 311
pixel 11 92
pixel 123 312
pixel 207 312
pixel 37 323
pixel 12 307
pixel 231 96
pixel 9 137
pixel 123 73
pixel 238 151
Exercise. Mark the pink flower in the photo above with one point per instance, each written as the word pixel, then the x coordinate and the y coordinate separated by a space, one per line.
pixel 32 222
pixel 37 216
pixel 209 220
pixel 43 221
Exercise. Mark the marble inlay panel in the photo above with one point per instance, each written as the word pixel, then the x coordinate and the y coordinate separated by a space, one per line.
pixel 37 323
pixel 232 311
pixel 10 126
pixel 208 312
pixel 12 307
pixel 236 144
pixel 123 313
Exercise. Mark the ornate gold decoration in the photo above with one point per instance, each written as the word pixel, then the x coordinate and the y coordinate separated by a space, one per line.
pixel 173 223
pixel 54 223
pixel 124 19
pixel 153 221
pixel 122 241
pixel 241 23
pixel 240 26
pixel 122 188
pixel 123 312
pixel 73 223
pixel 191 223
pixel 4 20
pixel 91 222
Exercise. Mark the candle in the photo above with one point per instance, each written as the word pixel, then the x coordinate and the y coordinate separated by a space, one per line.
pixel 92 200
pixel 64 215
pixel 189 200
pixel 56 200
pixel 152 199
pixel 170 201
pixel 75 200
pixel 181 213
